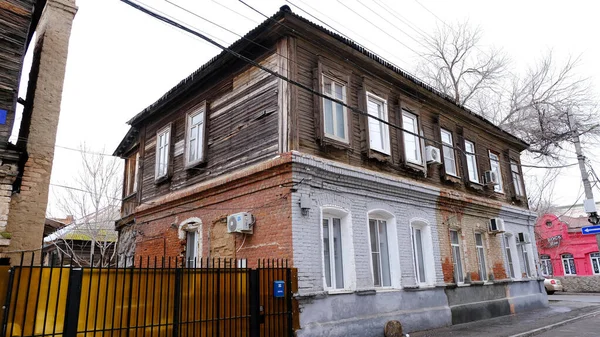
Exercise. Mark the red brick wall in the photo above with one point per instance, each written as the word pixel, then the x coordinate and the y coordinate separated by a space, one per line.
pixel 266 194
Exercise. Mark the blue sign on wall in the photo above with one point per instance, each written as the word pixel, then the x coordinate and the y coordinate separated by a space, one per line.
pixel 590 230
pixel 3 116
pixel 279 289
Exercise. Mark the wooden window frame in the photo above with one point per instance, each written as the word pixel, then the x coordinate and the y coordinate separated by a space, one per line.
pixel 407 108
pixel 200 109
pixel 387 146
pixel 452 147
pixel 499 163
pixel 474 155
pixel 340 76
pixel 481 259
pixel 167 128
pixel 131 173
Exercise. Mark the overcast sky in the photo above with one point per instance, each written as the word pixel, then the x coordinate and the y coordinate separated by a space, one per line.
pixel 120 60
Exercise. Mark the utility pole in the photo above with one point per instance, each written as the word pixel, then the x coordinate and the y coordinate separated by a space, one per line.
pixel 589 205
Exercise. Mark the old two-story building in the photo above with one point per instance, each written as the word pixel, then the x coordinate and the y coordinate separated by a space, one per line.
pixel 393 202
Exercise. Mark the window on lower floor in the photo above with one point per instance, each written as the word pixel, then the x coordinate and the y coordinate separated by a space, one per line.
pixel 338 259
pixel 509 257
pixel 595 257
pixel 422 252
pixel 525 268
pixel 456 257
pixel 546 264
pixel 380 256
pixel 191 249
pixel 568 264
pixel 480 256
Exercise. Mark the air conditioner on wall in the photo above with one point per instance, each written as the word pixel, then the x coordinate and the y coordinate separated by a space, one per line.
pixel 432 154
pixel 490 178
pixel 240 223
pixel 496 225
pixel 523 238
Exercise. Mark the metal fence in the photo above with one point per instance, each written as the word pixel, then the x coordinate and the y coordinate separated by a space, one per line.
pixel 156 297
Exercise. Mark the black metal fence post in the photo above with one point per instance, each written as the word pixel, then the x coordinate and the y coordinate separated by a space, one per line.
pixel 177 301
pixel 73 301
pixel 254 293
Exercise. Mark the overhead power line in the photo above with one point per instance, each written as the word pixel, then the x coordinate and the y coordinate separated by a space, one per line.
pixel 356 110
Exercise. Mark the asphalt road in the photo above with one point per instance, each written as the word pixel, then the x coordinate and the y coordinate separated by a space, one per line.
pixel 586 327
pixel 572 297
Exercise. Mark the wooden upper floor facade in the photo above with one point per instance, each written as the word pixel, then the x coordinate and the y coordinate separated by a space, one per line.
pixel 318 93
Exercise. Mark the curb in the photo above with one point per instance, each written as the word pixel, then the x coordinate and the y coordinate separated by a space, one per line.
pixel 551 326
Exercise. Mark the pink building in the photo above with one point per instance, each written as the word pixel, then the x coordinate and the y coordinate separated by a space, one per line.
pixel 563 249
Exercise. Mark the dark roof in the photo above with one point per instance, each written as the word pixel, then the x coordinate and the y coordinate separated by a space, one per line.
pixel 250 36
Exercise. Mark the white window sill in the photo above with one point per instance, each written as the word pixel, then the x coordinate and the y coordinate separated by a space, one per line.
pixel 386 289
pixel 339 291
pixel 337 139
pixel 383 152
pixel 460 285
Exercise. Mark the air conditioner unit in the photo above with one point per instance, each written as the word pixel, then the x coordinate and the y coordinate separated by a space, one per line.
pixel 496 225
pixel 432 154
pixel 490 178
pixel 240 223
pixel 523 238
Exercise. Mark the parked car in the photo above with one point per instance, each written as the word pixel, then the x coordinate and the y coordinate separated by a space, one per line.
pixel 552 285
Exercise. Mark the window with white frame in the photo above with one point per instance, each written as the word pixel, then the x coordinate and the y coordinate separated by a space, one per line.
pixel 495 167
pixel 509 257
pixel 163 140
pixel 191 248
pixel 338 253
pixel 195 132
pixel 335 119
pixel 131 174
pixel 456 257
pixel 546 264
pixel 471 161
pixel 595 257
pixel 480 256
pixel 525 268
pixel 412 143
pixel 517 179
pixel 568 264
pixel 379 136
pixel 380 256
pixel 448 150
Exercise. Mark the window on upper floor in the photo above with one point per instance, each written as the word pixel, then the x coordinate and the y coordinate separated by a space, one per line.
pixel 471 159
pixel 595 258
pixel 568 264
pixel 480 256
pixel 456 257
pixel 131 172
pixel 546 265
pixel 379 135
pixel 517 179
pixel 335 115
pixel 163 141
pixel 195 136
pixel 495 167
pixel 412 143
pixel 448 150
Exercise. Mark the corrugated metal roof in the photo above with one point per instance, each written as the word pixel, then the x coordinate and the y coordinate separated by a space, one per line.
pixel 285 10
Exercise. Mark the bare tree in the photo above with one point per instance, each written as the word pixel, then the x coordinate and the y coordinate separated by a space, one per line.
pixel 535 106
pixel 455 64
pixel 93 198
pixel 544 101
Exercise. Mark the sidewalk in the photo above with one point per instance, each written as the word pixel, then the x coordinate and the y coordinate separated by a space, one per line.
pixel 524 324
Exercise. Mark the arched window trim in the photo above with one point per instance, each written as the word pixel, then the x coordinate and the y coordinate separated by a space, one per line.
pixel 392 241
pixel 191 228
pixel 427 250
pixel 348 260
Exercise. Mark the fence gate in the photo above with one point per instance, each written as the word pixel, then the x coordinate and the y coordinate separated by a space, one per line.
pixel 154 298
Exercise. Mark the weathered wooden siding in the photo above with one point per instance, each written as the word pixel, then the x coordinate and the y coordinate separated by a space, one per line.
pixel 241 129
pixel 15 19
pixel 432 116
